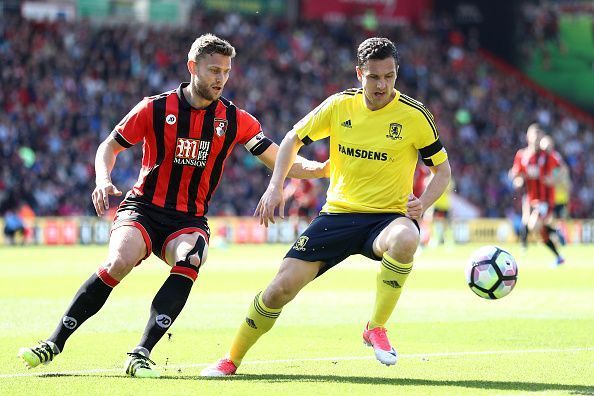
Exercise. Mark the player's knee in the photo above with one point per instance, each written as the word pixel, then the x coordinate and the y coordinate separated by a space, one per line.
pixel 278 294
pixel 193 256
pixel 403 245
pixel 118 267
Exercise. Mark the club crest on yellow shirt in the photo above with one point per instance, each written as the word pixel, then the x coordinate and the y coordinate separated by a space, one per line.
pixel 394 131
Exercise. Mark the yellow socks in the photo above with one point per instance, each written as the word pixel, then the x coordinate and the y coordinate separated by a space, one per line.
pixel 390 280
pixel 258 321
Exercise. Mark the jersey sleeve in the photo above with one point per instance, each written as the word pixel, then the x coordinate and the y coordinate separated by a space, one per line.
pixel 247 126
pixel 133 127
pixel 249 132
pixel 316 125
pixel 432 151
pixel 517 168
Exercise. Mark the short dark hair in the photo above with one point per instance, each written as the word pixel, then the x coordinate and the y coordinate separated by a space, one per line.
pixel 210 44
pixel 376 48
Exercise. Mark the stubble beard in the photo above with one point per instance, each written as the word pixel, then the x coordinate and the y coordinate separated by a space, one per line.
pixel 203 91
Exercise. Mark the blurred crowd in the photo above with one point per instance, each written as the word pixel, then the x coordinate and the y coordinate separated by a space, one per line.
pixel 64 86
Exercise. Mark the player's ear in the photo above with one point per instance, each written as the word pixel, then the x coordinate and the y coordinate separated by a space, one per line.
pixel 359 73
pixel 192 66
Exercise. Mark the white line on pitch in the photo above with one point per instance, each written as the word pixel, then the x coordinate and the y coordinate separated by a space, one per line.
pixel 319 359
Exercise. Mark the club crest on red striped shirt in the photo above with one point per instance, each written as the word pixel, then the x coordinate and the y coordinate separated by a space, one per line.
pixel 220 126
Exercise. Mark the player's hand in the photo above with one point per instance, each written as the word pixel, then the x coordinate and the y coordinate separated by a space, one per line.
pixel 414 207
pixel 101 195
pixel 518 182
pixel 271 199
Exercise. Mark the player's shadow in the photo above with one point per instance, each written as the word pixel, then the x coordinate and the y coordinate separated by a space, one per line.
pixel 474 384
pixel 281 378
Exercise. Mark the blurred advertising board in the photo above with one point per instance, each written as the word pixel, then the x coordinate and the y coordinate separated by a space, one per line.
pixel 394 11
pixel 240 230
pixel 263 7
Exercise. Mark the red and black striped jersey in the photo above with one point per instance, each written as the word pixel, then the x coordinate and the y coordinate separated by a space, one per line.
pixel 549 161
pixel 184 148
pixel 534 167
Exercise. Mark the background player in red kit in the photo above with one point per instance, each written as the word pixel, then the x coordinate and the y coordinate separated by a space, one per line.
pixel 533 136
pixel 187 135
pixel 533 168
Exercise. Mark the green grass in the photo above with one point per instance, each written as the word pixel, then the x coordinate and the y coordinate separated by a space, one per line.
pixel 538 339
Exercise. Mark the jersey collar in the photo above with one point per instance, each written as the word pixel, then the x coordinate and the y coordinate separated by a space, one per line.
pixel 390 103
pixel 184 102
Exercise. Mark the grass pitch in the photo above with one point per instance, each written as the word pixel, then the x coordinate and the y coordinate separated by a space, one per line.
pixel 540 338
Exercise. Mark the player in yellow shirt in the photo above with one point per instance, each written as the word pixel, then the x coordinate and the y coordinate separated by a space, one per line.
pixel 375 136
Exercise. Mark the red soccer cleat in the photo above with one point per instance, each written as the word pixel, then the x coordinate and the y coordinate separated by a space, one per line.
pixel 222 368
pixel 378 339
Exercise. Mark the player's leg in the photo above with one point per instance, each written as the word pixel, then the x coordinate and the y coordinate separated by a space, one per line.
pixel 185 254
pixel 560 213
pixel 396 245
pixel 126 248
pixel 320 247
pixel 546 238
pixel 534 223
pixel 292 276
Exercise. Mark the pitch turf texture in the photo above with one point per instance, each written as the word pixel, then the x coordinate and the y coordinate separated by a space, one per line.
pixel 540 338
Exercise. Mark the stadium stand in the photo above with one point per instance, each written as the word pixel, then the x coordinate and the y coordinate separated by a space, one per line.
pixel 63 86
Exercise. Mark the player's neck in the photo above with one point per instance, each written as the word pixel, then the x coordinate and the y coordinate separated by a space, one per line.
pixel 194 99
pixel 374 107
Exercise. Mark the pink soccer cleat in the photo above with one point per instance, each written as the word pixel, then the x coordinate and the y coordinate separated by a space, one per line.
pixel 378 339
pixel 222 368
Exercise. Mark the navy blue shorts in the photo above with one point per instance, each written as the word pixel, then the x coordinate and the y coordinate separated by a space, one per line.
pixel 157 225
pixel 332 237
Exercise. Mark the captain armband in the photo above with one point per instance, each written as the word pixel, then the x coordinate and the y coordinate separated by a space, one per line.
pixel 258 144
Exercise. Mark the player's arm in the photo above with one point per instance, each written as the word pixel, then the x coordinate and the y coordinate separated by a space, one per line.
pixel 515 174
pixel 435 157
pixel 301 169
pixel 104 162
pixel 442 174
pixel 314 126
pixel 128 132
pixel 273 196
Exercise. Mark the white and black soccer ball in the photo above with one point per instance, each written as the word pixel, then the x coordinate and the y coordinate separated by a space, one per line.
pixel 491 272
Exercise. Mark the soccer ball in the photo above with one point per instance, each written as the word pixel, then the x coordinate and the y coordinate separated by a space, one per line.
pixel 491 272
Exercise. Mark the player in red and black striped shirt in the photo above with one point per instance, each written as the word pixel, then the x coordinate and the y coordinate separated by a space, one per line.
pixel 534 168
pixel 518 172
pixel 187 135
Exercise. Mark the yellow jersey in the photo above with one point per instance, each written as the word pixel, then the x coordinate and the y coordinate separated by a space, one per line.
pixel 561 194
pixel 373 154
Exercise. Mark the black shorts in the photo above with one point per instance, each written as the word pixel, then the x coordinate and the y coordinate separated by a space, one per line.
pixel 440 213
pixel 332 237
pixel 157 225
pixel 560 211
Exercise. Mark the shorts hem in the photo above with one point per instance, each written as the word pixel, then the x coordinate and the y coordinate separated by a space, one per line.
pixel 145 235
pixel 186 230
